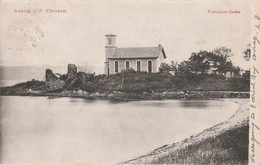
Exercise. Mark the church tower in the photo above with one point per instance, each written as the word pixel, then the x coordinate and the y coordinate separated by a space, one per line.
pixel 110 49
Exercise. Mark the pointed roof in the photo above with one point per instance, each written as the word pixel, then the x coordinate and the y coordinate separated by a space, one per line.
pixel 138 52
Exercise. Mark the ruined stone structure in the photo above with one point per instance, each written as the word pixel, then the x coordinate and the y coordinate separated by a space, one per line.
pixel 72 71
pixel 53 83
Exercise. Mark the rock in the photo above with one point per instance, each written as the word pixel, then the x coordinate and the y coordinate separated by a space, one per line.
pixel 80 92
pixel 97 94
pixel 165 92
pixel 117 92
pixel 145 93
pixel 111 95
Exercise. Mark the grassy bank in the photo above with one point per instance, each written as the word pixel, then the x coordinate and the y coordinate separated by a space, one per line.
pixel 224 143
pixel 131 81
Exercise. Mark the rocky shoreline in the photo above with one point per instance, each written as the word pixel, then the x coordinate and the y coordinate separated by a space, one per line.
pixel 128 96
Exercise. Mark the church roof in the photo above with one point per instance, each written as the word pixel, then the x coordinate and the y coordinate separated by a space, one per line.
pixel 137 52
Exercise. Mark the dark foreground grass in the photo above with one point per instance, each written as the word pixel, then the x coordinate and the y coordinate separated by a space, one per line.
pixel 230 147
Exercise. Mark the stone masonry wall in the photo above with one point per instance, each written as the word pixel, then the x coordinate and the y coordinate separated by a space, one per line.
pixel 72 71
pixel 52 81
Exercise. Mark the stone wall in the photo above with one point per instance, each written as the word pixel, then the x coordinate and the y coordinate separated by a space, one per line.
pixel 53 83
pixel 49 76
pixel 72 71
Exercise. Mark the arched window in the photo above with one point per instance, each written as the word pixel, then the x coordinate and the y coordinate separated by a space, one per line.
pixel 149 66
pixel 127 65
pixel 138 66
pixel 107 70
pixel 116 66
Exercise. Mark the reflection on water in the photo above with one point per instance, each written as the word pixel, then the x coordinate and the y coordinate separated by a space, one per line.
pixel 201 104
pixel 73 130
pixel 194 104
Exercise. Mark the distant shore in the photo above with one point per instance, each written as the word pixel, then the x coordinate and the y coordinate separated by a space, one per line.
pixel 224 143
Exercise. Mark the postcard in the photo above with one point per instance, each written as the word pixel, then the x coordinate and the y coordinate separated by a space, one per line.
pixel 129 82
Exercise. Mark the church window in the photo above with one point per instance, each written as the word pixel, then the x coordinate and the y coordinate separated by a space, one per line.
pixel 116 66
pixel 149 66
pixel 127 65
pixel 138 65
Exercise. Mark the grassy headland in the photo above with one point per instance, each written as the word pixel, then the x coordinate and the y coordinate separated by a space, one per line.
pixel 130 85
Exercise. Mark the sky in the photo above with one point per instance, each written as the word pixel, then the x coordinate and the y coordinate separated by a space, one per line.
pixel 77 36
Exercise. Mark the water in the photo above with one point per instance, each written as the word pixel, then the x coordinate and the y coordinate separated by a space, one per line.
pixel 73 130
pixel 11 75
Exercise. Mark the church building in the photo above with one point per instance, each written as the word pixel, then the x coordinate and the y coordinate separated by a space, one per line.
pixel 146 59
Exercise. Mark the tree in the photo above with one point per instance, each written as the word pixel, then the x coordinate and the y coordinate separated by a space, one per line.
pixel 184 67
pixel 236 70
pixel 165 68
pixel 199 62
pixel 85 68
pixel 174 66
pixel 221 59
pixel 228 67
pixel 223 52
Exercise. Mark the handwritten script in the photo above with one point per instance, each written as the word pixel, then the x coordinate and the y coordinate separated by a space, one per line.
pixel 254 73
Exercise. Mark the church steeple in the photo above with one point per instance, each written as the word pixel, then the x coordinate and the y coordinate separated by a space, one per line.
pixel 109 50
pixel 111 40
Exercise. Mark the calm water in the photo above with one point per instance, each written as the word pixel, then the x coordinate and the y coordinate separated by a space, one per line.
pixel 72 130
